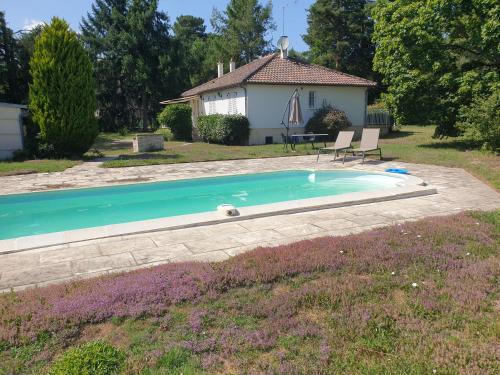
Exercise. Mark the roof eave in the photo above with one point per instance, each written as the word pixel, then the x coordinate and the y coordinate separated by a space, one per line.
pixel 371 84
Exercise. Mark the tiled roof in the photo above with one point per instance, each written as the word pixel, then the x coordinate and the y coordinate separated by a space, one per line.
pixel 272 69
pixel 231 79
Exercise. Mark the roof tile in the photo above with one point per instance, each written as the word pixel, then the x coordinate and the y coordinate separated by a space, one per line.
pixel 272 69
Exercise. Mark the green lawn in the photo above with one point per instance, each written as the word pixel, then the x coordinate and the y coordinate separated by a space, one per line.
pixel 412 144
pixel 35 166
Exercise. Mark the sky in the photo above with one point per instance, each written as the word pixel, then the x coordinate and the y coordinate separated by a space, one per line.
pixel 22 14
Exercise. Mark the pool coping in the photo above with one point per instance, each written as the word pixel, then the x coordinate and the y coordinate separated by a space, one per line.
pixel 414 187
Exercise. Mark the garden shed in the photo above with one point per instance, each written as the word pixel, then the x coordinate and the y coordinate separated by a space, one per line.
pixel 11 129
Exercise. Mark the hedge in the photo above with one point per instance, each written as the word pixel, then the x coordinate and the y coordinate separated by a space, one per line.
pixel 177 118
pixel 224 129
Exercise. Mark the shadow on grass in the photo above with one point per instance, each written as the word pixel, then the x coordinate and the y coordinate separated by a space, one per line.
pixel 458 145
pixel 148 156
pixel 398 134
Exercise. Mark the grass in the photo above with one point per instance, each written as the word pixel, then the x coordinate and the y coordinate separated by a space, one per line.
pixel 413 144
pixel 323 306
pixel 8 168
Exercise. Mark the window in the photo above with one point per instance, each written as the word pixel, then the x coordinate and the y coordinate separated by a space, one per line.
pixel 232 108
pixel 211 106
pixel 312 99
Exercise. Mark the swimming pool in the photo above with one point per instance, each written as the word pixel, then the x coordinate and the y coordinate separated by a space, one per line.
pixel 64 210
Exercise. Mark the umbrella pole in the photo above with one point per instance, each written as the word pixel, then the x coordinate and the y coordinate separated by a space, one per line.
pixel 287 108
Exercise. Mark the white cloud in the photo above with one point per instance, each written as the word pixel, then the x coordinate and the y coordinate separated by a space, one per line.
pixel 30 24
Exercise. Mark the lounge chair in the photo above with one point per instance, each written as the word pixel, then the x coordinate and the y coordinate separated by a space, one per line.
pixel 343 142
pixel 369 142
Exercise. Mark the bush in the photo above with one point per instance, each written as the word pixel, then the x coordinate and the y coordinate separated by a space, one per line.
pixel 62 95
pixel 167 134
pixel 480 122
pixel 224 129
pixel 177 118
pixel 20 155
pixel 96 358
pixel 328 120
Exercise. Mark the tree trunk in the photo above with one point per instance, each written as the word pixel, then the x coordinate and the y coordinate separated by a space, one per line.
pixel 145 118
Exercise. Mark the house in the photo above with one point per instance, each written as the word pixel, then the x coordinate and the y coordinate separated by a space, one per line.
pixel 11 129
pixel 261 90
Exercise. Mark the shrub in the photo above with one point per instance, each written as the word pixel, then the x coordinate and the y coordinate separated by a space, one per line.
pixel 480 121
pixel 62 95
pixel 328 120
pixel 96 358
pixel 224 129
pixel 177 118
pixel 20 155
pixel 167 134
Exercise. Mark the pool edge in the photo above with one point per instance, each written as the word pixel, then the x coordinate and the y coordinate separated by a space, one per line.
pixel 26 243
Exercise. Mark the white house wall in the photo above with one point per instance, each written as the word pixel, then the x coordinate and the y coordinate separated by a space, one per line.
pixel 10 131
pixel 230 101
pixel 266 104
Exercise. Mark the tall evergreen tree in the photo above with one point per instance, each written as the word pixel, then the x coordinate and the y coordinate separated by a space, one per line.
pixel 339 35
pixel 62 95
pixel 243 26
pixel 190 39
pixel 9 65
pixel 129 43
pixel 25 48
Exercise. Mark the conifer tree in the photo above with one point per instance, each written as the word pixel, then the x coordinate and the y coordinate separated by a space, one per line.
pixel 244 26
pixel 62 96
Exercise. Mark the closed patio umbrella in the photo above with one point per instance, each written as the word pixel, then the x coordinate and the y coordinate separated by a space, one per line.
pixel 295 111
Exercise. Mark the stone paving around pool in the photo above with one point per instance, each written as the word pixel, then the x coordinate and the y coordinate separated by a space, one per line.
pixel 457 191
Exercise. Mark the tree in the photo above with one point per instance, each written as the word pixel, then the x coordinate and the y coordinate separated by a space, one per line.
pixel 339 36
pixel 191 41
pixel 133 61
pixel 243 27
pixel 62 96
pixel 25 48
pixel 9 66
pixel 436 57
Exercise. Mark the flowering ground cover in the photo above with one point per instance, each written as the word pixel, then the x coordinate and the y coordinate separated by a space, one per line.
pixel 419 298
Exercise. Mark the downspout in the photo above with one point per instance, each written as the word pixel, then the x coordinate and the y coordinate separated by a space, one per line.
pixel 366 106
pixel 246 110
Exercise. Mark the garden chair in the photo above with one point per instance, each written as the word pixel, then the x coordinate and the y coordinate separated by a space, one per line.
pixel 343 142
pixel 369 142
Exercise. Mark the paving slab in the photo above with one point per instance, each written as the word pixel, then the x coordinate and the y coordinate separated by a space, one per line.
pixel 457 191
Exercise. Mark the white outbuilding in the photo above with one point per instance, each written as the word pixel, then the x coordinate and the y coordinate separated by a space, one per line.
pixel 261 90
pixel 11 129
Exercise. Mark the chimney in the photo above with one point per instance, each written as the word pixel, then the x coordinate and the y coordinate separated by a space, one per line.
pixel 232 65
pixel 220 69
pixel 284 53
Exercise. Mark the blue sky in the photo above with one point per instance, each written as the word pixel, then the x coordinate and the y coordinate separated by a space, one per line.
pixel 21 14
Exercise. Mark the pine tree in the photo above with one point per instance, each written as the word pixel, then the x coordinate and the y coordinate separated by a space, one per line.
pixel 243 27
pixel 9 66
pixel 62 96
pixel 339 35
pixel 135 68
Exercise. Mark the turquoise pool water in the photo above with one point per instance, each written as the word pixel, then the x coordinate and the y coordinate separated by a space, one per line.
pixel 55 211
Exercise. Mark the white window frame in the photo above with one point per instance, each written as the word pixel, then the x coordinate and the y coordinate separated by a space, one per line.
pixel 211 106
pixel 232 106
pixel 312 95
